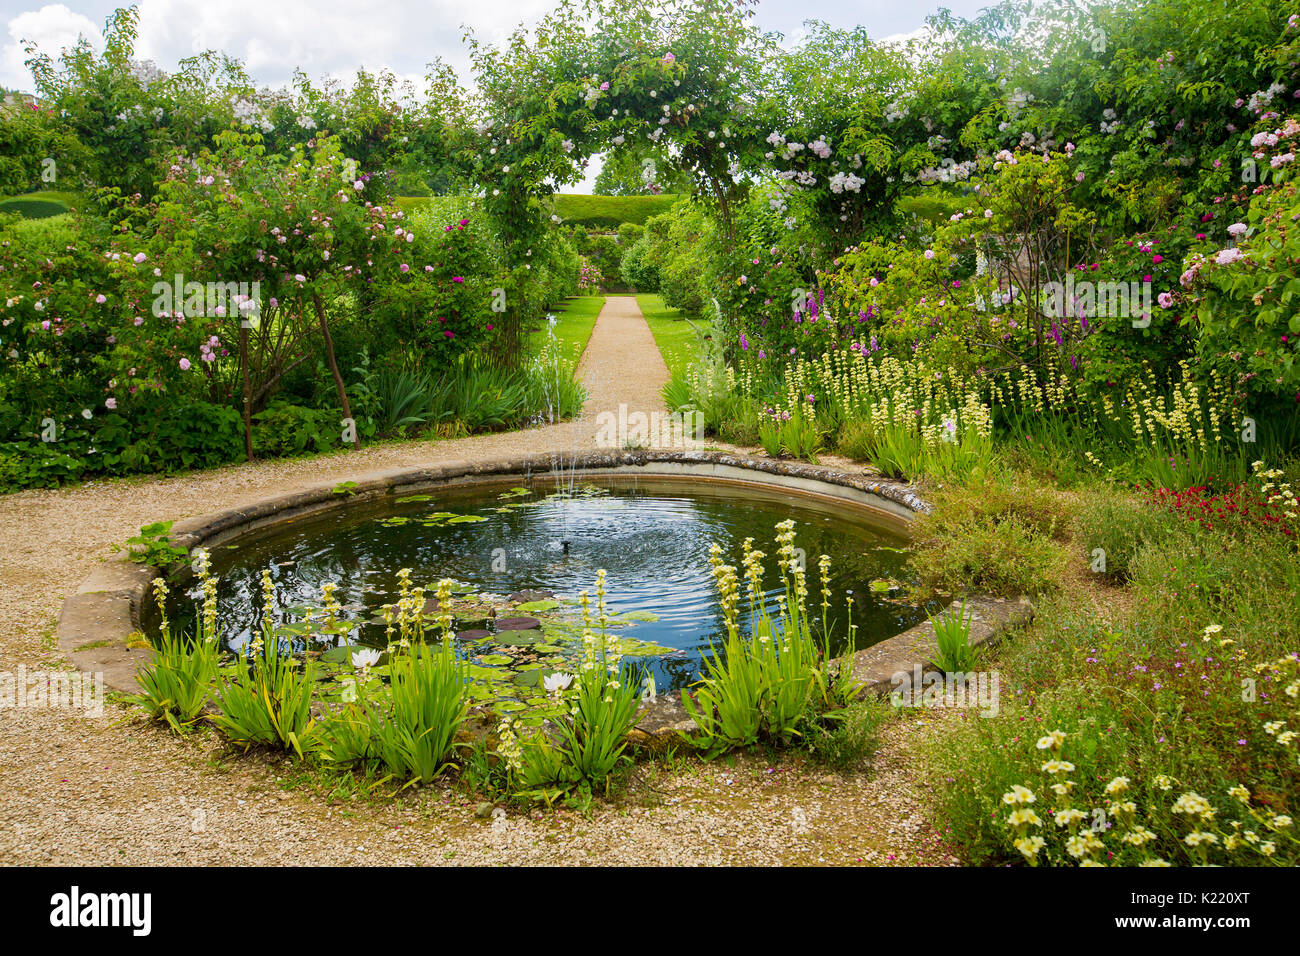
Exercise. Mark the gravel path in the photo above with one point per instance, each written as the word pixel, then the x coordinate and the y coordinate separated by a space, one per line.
pixel 114 789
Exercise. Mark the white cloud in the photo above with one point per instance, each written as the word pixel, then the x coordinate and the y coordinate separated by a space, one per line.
pixel 322 37
pixel 52 28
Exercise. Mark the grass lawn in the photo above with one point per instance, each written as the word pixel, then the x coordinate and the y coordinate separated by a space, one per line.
pixel 575 317
pixel 674 331
pixel 38 205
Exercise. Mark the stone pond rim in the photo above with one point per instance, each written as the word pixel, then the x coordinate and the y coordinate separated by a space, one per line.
pixel 96 622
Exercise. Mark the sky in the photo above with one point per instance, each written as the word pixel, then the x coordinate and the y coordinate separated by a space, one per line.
pixel 337 37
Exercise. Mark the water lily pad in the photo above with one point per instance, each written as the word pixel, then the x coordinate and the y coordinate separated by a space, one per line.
pixel 547 649
pixel 479 672
pixel 293 630
pixel 630 647
pixel 402 501
pixel 520 597
pixel 517 623
pixel 497 660
pixel 537 607
pixel 528 678
pixel 340 654
pixel 519 638
pixel 648 617
pixel 465 519
pixel 474 634
pixel 471 621
pixel 509 706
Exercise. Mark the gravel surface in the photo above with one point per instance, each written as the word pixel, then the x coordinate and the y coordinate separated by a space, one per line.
pixel 117 790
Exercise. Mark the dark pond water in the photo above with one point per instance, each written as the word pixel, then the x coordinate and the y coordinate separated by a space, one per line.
pixel 651 537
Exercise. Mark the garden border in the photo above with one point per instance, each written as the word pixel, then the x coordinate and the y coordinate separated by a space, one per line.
pixel 97 621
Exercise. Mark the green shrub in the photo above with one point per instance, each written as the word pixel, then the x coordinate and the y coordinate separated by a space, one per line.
pixel 1118 526
pixel 1002 558
pixel 849 736
pixel 285 429
pixel 428 701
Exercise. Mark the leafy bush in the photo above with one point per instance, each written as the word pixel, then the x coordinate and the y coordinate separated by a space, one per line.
pixel 1118 526
pixel 772 679
pixel 284 429
pixel 852 737
pixel 983 555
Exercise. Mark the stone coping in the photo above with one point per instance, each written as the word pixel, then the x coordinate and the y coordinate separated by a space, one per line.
pixel 97 620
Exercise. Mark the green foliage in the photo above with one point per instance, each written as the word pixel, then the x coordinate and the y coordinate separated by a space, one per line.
pixel 285 429
pixel 1246 307
pixel 953 651
pixel 986 554
pixel 178 680
pixel 1153 695
pixel 771 680
pixel 1118 526
pixel 427 704
pixel 603 712
pixel 153 546
pixel 269 701
pixel 852 736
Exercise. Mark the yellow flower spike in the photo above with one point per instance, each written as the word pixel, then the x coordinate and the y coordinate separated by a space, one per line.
pixel 160 598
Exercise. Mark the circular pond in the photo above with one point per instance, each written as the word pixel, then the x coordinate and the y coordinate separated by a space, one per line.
pixel 548 537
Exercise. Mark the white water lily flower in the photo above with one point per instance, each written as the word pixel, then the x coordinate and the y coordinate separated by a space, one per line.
pixel 554 683
pixel 365 659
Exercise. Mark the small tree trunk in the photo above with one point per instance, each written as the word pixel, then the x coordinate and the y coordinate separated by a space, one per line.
pixel 248 398
pixel 334 367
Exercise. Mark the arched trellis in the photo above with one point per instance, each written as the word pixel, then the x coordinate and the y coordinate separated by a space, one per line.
pixel 682 75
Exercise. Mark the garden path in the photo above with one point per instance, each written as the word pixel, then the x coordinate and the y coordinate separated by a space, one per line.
pixel 77 790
